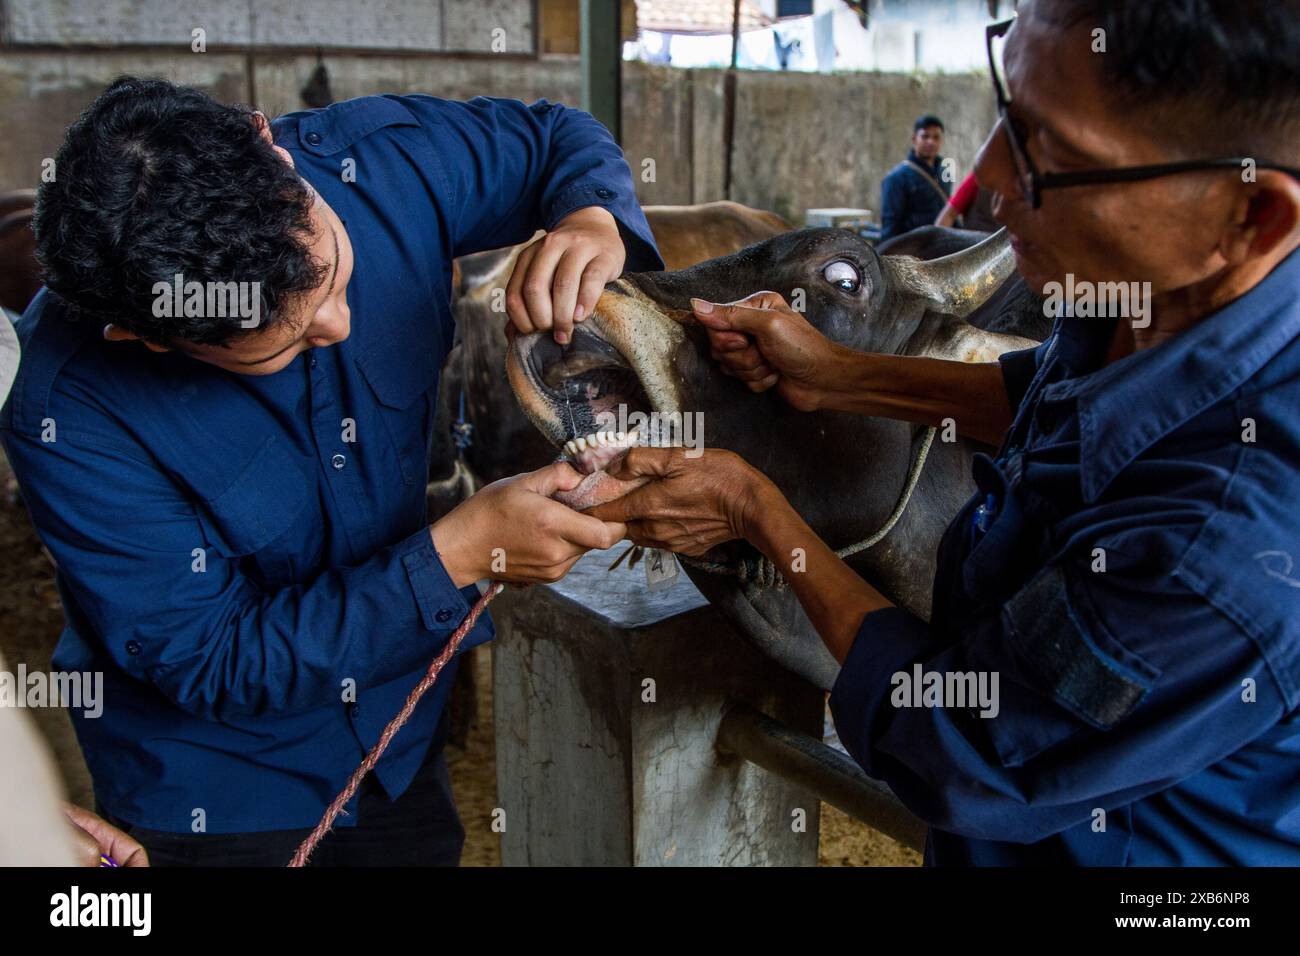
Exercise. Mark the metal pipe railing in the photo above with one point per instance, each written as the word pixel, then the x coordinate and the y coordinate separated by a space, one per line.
pixel 830 775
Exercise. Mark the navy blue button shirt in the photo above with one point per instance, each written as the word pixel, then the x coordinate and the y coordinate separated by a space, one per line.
pixel 909 198
pixel 1137 593
pixel 247 559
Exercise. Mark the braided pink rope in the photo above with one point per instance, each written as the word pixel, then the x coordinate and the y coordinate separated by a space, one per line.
pixel 394 725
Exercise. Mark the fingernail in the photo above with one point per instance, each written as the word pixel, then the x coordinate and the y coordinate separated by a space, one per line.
pixel 699 305
pixel 562 338
pixel 579 313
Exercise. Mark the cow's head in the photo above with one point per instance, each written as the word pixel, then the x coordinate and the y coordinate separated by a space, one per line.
pixel 640 352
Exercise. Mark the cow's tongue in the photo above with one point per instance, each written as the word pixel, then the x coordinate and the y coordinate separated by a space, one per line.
pixel 594 455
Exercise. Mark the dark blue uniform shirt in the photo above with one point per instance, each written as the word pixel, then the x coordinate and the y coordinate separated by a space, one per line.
pixel 1132 579
pixel 229 560
pixel 909 198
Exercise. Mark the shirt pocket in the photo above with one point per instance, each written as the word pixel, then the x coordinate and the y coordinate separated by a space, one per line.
pixel 268 518
pixel 403 380
pixel 1060 671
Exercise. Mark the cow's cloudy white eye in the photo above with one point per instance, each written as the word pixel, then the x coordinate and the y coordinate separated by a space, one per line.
pixel 843 275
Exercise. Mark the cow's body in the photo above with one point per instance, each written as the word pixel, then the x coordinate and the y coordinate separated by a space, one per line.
pixel 843 473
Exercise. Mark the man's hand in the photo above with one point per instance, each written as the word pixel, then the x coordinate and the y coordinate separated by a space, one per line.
pixel 539 539
pixel 694 503
pixel 558 278
pixel 763 342
pixel 94 837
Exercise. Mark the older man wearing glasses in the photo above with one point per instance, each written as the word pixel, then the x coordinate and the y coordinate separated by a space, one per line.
pixel 1128 567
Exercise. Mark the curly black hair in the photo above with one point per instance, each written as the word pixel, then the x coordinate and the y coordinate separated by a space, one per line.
pixel 155 180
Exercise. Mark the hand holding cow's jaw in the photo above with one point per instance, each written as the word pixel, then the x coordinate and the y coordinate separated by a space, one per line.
pixel 686 505
pixel 558 278
pixel 512 530
pixel 691 505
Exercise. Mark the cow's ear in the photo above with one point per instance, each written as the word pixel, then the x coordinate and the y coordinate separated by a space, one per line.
pixel 957 284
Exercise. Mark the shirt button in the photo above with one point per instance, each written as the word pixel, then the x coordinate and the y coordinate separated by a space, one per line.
pixel 985 514
pixel 313 139
pixel 604 193
pixel 133 648
pixel 443 615
pixel 356 710
pixel 313 361
pixel 338 461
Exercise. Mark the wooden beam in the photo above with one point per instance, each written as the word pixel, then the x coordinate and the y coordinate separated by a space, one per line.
pixel 602 63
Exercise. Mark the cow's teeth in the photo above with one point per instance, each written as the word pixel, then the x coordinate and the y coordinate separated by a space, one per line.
pixel 602 439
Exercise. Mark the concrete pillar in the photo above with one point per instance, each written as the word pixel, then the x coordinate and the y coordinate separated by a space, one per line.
pixel 608 699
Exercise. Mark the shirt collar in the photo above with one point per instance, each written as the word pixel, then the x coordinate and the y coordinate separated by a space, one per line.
pixel 911 154
pixel 1129 405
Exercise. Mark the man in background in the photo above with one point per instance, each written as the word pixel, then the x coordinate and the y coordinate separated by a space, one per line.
pixel 914 192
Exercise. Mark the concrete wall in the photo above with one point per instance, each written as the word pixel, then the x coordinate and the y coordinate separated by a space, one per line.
pixel 801 140
pixel 431 25
pixel 807 140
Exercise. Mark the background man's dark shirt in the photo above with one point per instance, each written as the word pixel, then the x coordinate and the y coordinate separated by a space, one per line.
pixel 909 198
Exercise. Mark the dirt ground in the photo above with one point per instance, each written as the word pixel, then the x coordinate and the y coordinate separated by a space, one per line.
pixel 30 621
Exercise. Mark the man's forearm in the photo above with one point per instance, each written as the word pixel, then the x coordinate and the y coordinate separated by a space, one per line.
pixel 921 390
pixel 832 594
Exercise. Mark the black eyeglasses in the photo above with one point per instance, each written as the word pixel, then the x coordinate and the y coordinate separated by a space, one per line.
pixel 1033 182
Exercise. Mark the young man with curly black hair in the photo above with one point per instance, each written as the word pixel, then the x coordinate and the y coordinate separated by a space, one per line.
pixel 221 427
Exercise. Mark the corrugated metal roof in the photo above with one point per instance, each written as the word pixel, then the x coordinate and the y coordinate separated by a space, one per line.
pixel 697 16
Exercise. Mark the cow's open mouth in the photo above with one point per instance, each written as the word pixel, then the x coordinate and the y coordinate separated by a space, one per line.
pixel 613 386
pixel 591 394
pixel 588 382
pixel 589 399
pixel 594 402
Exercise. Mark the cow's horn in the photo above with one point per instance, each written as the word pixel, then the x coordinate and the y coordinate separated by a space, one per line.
pixel 960 283
pixel 965 343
